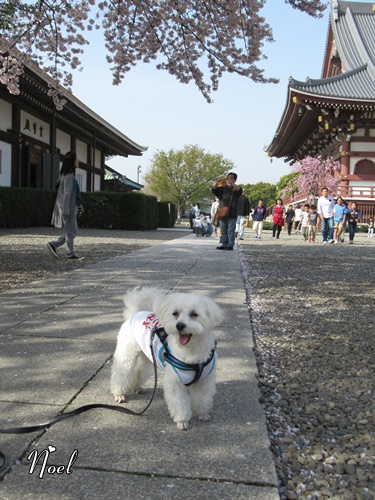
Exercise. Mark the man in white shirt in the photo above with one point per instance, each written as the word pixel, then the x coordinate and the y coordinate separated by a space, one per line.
pixel 326 207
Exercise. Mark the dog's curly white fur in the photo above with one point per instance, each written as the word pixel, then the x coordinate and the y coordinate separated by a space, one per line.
pixel 188 320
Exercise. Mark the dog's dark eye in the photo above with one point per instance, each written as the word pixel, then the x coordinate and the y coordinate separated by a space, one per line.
pixel 176 314
pixel 193 314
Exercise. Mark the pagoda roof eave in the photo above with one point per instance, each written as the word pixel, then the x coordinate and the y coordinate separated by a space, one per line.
pixel 291 130
pixel 357 84
pixel 317 108
pixel 294 128
pixel 34 90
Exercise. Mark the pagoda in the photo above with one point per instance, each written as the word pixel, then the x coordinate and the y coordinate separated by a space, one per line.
pixel 334 116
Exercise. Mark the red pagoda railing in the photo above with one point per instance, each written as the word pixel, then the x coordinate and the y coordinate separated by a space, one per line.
pixel 354 192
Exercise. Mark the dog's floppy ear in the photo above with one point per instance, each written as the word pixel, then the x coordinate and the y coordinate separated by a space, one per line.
pixel 212 310
pixel 163 307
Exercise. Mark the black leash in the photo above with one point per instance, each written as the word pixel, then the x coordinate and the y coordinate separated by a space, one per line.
pixel 81 409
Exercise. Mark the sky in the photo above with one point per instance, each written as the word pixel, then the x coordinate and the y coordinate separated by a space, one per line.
pixel 153 109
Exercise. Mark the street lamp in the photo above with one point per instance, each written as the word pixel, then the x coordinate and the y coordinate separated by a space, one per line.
pixel 138 172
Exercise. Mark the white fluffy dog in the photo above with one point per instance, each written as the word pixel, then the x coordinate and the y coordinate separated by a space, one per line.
pixel 187 354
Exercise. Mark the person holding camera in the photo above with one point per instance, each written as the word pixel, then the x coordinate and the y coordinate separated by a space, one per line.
pixel 228 194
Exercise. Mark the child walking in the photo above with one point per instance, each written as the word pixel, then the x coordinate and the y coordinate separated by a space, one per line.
pixel 370 226
pixel 313 222
pixel 305 221
pixel 354 216
pixel 339 219
pixel 289 218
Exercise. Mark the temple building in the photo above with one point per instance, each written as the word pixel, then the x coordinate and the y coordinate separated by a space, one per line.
pixel 35 136
pixel 334 116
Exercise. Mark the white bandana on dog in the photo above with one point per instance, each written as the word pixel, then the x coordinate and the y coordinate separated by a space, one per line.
pixel 140 326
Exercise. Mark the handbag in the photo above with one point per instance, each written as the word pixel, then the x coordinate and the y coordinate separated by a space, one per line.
pixel 223 212
pixel 215 220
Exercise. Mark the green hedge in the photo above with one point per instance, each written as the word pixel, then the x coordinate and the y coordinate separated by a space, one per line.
pixel 167 214
pixel 105 210
pixel 26 207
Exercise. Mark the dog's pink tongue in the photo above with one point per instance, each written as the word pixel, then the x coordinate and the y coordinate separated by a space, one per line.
pixel 184 338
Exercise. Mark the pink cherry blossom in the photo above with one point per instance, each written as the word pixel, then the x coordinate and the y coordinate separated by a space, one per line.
pixel 314 174
pixel 192 40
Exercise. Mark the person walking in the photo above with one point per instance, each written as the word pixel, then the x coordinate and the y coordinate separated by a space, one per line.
pixel 313 222
pixel 305 221
pixel 259 216
pixel 339 218
pixel 326 208
pixel 243 210
pixel 297 219
pixel 370 227
pixel 277 218
pixel 228 193
pixel 192 215
pixel 66 207
pixel 353 216
pixel 289 219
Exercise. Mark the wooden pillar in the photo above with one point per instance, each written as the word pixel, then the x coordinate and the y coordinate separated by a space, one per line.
pixel 17 165
pixel 345 167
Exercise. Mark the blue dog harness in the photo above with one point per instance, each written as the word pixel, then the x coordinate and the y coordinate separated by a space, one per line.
pixel 148 332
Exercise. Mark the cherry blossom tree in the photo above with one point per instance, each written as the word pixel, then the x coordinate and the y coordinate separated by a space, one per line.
pixel 313 175
pixel 184 37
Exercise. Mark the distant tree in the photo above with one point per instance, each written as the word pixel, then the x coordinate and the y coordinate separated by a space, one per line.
pixel 186 175
pixel 187 38
pixel 312 175
pixel 260 191
pixel 287 184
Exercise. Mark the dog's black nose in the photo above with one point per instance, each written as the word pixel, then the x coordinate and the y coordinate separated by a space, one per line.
pixel 180 326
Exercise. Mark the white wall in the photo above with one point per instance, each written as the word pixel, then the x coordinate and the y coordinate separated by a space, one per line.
pixel 97 182
pixel 362 146
pixel 5 164
pixel 81 176
pixel 81 151
pixel 98 158
pixel 63 141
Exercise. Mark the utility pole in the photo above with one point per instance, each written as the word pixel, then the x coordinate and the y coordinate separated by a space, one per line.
pixel 138 172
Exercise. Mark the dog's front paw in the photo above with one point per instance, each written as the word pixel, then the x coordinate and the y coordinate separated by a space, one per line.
pixel 183 426
pixel 205 417
pixel 120 399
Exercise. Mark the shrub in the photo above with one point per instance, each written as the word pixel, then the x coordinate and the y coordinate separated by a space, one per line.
pixel 26 207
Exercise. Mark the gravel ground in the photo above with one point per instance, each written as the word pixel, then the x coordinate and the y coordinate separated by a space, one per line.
pixel 24 256
pixel 312 311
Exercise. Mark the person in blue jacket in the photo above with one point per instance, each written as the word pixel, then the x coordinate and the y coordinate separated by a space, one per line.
pixel 259 216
